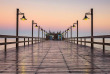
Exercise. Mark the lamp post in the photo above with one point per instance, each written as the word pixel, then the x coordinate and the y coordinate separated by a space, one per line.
pixel 32 29
pixel 67 34
pixel 38 33
pixel 71 33
pixel 77 30
pixel 17 25
pixel 85 18
pixel 42 34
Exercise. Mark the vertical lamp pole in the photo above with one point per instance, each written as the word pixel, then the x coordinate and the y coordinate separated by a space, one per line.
pixel 17 25
pixel 85 18
pixel 32 29
pixel 91 28
pixel 71 33
pixel 42 35
pixel 38 33
pixel 17 22
pixel 77 32
pixel 67 35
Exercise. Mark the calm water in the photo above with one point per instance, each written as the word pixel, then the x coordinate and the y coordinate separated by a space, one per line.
pixel 21 44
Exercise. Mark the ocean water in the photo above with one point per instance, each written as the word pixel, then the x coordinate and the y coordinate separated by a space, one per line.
pixel 107 40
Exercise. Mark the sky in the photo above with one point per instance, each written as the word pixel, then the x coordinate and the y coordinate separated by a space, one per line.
pixel 54 15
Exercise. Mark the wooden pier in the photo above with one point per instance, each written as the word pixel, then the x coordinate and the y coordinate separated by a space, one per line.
pixel 54 57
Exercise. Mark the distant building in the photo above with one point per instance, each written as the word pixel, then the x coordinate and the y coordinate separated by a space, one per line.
pixel 54 36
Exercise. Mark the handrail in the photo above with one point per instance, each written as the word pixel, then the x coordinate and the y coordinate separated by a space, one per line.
pixel 13 42
pixel 100 36
pixel 94 42
pixel 11 36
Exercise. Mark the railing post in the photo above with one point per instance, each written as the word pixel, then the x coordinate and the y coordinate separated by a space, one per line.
pixel 74 40
pixel 24 42
pixel 85 41
pixel 81 41
pixel 28 41
pixel 35 40
pixel 103 46
pixel 5 46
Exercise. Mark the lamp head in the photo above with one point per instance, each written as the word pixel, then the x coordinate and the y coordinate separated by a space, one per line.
pixel 67 29
pixel 36 25
pixel 74 25
pixel 23 18
pixel 85 18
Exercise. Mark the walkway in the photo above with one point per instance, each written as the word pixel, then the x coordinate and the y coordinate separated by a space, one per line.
pixel 54 57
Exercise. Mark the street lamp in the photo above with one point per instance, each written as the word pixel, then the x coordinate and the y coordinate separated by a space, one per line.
pixel 67 34
pixel 86 18
pixel 38 31
pixel 77 30
pixel 73 25
pixel 17 25
pixel 42 34
pixel 32 29
pixel 36 26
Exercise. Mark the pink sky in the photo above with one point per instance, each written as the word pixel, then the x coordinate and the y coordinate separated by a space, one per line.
pixel 55 15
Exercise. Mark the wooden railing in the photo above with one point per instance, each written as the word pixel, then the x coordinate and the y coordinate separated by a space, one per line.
pixel 84 40
pixel 29 40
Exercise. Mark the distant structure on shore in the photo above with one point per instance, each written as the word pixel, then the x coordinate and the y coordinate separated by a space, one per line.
pixel 54 36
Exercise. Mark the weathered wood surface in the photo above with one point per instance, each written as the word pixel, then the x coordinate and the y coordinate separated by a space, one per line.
pixel 54 57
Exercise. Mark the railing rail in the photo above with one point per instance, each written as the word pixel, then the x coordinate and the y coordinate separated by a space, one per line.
pixel 29 39
pixel 103 37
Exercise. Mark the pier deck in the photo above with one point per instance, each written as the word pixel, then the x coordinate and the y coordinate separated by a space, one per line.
pixel 54 57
